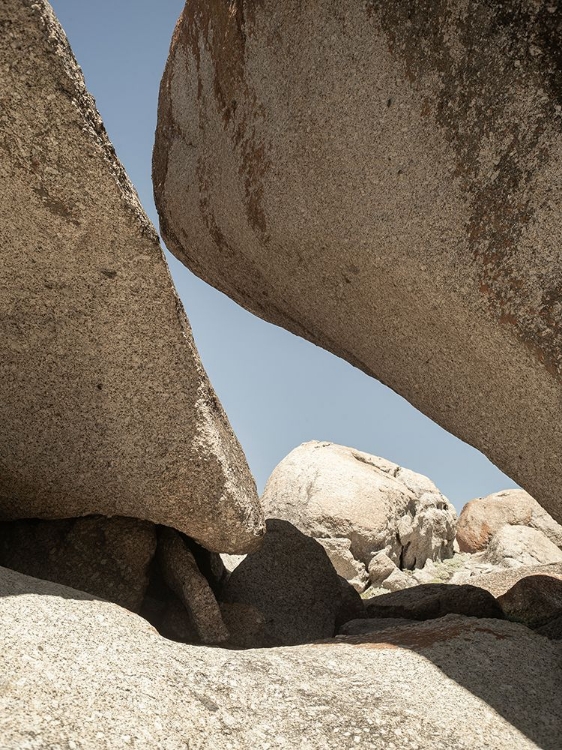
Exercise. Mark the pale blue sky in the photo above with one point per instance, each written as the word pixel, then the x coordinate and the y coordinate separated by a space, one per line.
pixel 277 389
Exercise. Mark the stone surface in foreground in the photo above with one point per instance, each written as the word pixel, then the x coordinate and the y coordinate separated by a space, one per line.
pixel 75 669
pixel 104 404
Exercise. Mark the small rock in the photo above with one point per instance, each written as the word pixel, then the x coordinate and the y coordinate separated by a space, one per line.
pixel 398 580
pixel 380 567
pixel 338 550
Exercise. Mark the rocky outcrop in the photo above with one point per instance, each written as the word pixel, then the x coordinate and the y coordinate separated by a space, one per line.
pixel 514 546
pixel 107 557
pixel 346 566
pixel 78 671
pixel 500 581
pixel 384 181
pixel 292 583
pixel 433 601
pixel 104 405
pixel 329 492
pixel 482 517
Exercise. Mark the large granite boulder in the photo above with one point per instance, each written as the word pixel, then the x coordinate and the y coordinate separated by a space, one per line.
pixel 78 672
pixel 292 583
pixel 535 600
pixel 499 581
pixel 107 557
pixel 384 179
pixel 330 491
pixel 104 405
pixel 482 517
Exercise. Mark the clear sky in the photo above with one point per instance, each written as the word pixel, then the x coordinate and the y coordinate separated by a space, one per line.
pixel 277 389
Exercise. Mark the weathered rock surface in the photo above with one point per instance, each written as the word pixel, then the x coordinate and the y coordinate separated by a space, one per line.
pixel 81 671
pixel 482 517
pixel 184 578
pixel 434 600
pixel 292 583
pixel 346 566
pixel 328 490
pixel 552 630
pixel 106 557
pixel 380 567
pixel 367 625
pixel 500 581
pixel 514 546
pixel 534 600
pixel 104 405
pixel 384 181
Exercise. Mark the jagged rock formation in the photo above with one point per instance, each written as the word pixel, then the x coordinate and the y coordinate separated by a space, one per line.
pixel 384 179
pixel 104 405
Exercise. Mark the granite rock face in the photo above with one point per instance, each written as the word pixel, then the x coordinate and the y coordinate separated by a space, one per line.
pixel 535 600
pixel 292 583
pixel 106 557
pixel 104 404
pixel 482 517
pixel 384 179
pixel 330 491
pixel 77 671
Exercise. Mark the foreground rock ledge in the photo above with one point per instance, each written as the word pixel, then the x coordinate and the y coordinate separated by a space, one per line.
pixel 76 669
pixel 104 405
pixel 384 179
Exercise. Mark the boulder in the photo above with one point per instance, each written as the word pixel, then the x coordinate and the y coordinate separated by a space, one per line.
pixel 107 557
pixel 330 491
pixel 380 568
pixel 183 577
pixel 384 181
pixel 81 672
pixel 345 565
pixel 499 581
pixel 245 625
pixel 104 404
pixel 433 600
pixel 514 546
pixel 398 580
pixel 552 630
pixel 292 583
pixel 534 600
pixel 482 517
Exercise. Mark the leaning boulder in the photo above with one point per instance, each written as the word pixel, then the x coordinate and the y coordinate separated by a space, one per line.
pixel 104 405
pixel 107 557
pixel 384 180
pixel 330 491
pixel 482 517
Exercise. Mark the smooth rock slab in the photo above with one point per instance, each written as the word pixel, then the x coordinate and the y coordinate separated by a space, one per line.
pixel 78 670
pixel 514 546
pixel 104 405
pixel 384 179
